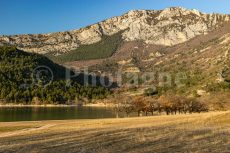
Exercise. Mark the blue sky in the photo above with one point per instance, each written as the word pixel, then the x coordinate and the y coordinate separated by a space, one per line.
pixel 42 16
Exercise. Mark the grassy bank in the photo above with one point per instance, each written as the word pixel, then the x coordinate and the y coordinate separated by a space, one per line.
pixel 208 132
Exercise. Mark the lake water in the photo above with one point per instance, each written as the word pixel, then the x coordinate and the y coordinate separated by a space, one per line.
pixel 12 114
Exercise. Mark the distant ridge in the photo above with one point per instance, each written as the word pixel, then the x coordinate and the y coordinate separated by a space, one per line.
pixel 166 27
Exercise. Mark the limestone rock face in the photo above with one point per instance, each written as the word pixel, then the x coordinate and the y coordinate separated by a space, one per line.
pixel 167 27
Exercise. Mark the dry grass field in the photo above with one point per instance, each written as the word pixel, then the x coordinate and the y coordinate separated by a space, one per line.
pixel 196 133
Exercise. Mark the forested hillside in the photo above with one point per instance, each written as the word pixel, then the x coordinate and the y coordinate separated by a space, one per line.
pixel 32 78
pixel 102 49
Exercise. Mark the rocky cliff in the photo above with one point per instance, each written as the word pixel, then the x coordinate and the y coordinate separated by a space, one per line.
pixel 166 27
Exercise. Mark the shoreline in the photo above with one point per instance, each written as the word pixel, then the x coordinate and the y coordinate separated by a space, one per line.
pixel 59 105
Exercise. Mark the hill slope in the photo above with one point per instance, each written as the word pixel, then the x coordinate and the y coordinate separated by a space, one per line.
pixel 27 78
pixel 205 57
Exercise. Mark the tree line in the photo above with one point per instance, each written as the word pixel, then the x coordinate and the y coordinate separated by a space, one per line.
pixel 168 104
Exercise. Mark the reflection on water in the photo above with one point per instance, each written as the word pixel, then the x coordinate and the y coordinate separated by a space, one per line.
pixel 10 114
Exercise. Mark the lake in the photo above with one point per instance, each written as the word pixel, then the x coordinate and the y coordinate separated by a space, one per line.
pixel 12 114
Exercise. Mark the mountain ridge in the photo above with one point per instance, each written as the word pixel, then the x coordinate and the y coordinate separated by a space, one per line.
pixel 166 27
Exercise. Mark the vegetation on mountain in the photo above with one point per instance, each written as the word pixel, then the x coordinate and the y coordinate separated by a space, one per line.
pixel 21 83
pixel 102 49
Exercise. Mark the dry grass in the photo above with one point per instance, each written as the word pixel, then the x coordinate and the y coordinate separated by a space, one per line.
pixel 208 132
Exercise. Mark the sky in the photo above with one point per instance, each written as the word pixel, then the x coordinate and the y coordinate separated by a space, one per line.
pixel 43 16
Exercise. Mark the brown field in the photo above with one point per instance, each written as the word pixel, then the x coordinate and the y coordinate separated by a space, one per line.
pixel 200 133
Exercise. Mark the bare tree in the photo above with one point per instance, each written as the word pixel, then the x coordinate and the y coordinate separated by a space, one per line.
pixel 127 105
pixel 117 105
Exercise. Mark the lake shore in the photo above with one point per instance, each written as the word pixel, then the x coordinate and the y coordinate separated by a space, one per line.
pixel 174 133
pixel 58 105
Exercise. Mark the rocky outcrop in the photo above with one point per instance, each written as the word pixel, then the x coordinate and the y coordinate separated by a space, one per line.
pixel 164 27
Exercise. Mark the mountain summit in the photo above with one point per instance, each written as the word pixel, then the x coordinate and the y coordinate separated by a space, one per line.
pixel 166 27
